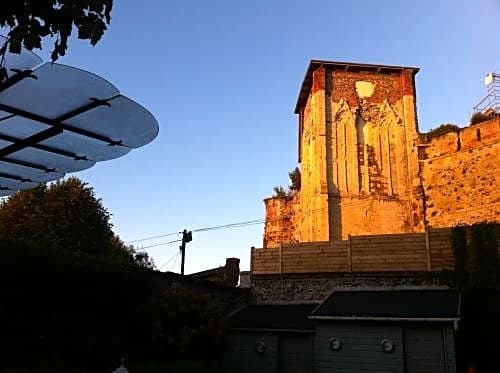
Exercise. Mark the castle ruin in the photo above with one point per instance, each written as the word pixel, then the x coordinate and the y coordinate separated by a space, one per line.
pixel 366 169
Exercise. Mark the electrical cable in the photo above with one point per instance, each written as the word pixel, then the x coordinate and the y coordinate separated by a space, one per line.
pixel 219 227
pixel 175 261
pixel 168 261
pixel 154 237
pixel 160 244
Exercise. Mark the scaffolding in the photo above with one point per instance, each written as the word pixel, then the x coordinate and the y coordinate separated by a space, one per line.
pixel 490 105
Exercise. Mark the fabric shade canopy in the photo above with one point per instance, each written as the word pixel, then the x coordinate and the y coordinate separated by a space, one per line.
pixel 56 119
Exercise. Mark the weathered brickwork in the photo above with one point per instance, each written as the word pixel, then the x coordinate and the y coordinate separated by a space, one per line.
pixel 279 221
pixel 359 149
pixel 461 176
pixel 358 157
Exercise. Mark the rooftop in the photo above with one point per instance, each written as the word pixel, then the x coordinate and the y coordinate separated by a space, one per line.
pixel 386 304
pixel 345 66
pixel 274 317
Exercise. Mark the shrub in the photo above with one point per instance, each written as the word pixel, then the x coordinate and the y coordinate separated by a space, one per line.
pixel 478 118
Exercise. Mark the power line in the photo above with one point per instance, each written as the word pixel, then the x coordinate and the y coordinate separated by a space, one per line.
pixel 225 226
pixel 232 225
pixel 218 227
pixel 154 237
pixel 160 244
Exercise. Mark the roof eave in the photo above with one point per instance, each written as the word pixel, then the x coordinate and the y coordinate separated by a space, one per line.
pixel 381 318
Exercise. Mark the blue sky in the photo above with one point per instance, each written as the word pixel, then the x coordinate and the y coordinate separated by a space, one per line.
pixel 222 78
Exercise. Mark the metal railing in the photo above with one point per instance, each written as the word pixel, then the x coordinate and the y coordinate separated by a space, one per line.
pixel 491 103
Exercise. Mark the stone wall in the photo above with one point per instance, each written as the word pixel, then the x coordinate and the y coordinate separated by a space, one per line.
pixel 279 224
pixel 375 215
pixel 461 175
pixel 311 214
pixel 359 150
pixel 358 155
pixel 315 288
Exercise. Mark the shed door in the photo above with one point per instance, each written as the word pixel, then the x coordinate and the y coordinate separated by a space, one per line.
pixel 424 352
pixel 295 354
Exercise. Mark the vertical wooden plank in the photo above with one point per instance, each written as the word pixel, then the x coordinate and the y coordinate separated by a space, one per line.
pixel 280 253
pixel 428 249
pixel 349 256
pixel 252 250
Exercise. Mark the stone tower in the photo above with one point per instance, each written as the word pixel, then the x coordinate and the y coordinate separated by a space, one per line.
pixel 358 141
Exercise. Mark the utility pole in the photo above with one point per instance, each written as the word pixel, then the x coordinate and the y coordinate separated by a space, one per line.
pixel 186 237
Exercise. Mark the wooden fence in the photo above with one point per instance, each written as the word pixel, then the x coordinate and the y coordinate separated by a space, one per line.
pixel 429 251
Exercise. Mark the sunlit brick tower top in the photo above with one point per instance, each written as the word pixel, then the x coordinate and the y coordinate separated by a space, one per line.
pixel 358 140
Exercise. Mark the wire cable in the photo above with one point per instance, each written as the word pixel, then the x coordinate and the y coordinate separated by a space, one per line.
pixel 154 237
pixel 232 225
pixel 168 261
pixel 225 226
pixel 218 227
pixel 160 244
pixel 175 261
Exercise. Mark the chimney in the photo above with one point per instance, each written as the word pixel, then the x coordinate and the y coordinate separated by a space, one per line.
pixel 232 271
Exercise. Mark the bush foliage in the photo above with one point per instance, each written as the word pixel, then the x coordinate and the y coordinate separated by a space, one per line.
pixel 477 275
pixel 74 298
pixel 443 129
pixel 294 187
pixel 478 118
pixel 71 312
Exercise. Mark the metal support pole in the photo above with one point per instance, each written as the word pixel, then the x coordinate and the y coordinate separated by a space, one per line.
pixel 186 237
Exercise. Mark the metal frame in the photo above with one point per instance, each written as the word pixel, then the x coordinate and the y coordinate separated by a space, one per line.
pixel 53 127
pixel 57 127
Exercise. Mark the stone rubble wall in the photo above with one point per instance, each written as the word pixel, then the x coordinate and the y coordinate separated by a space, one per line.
pixel 299 289
pixel 361 173
pixel 461 176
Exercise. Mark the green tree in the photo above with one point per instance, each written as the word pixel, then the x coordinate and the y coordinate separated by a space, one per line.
pixel 29 21
pixel 65 215
pixel 294 187
pixel 478 118
pixel 294 176
pixel 280 192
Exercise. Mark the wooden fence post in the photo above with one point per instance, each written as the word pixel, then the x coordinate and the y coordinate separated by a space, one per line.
pixel 280 257
pixel 251 258
pixel 428 249
pixel 349 254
